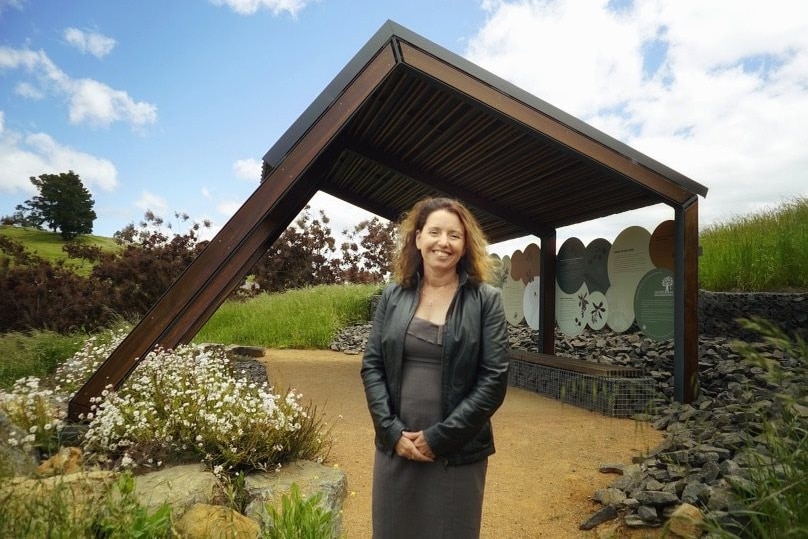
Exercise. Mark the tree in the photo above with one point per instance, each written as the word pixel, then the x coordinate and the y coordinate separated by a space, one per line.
pixel 369 260
pixel 302 256
pixel 63 203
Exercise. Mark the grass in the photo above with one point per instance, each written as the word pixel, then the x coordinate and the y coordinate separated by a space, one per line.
pixel 48 245
pixel 78 510
pixel 766 251
pixel 34 354
pixel 304 318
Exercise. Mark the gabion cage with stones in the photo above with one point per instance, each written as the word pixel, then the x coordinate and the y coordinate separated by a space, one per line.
pixel 613 396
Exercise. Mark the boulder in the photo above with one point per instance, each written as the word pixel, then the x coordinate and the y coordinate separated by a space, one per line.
pixel 205 521
pixel 687 521
pixel 310 477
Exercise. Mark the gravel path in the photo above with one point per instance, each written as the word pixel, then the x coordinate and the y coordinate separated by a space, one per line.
pixel 540 480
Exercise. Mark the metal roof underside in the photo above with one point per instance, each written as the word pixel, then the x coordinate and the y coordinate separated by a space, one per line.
pixel 437 124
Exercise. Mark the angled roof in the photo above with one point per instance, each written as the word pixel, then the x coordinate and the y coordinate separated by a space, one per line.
pixel 405 119
pixel 440 125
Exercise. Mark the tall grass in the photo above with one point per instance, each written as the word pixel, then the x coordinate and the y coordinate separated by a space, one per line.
pixel 767 251
pixel 34 354
pixel 304 318
pixel 775 496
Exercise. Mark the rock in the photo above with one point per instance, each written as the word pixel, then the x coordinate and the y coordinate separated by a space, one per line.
pixel 81 491
pixel 178 486
pixel 604 514
pixel 14 460
pixel 204 521
pixel 687 521
pixel 310 477
pixel 612 468
pixel 648 514
pixel 67 461
pixel 609 496
pixel 656 498
pixel 242 350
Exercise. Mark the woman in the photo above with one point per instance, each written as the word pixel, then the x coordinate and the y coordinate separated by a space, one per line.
pixel 435 370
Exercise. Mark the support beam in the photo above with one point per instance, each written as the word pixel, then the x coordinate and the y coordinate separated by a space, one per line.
pixel 686 303
pixel 547 278
pixel 205 284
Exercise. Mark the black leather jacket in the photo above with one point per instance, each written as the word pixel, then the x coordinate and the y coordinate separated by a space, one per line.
pixel 474 370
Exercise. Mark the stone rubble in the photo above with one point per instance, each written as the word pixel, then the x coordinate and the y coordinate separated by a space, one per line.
pixel 709 443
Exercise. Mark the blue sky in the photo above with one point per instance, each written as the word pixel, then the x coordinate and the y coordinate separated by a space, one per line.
pixel 169 106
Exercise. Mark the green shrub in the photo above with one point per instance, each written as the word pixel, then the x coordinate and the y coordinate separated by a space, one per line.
pixel 75 510
pixel 299 518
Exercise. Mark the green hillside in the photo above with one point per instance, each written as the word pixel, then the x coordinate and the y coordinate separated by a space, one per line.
pixel 48 245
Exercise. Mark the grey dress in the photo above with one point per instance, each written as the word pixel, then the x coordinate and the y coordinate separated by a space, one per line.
pixel 425 499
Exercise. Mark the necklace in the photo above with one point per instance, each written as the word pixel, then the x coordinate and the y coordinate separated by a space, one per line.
pixel 438 290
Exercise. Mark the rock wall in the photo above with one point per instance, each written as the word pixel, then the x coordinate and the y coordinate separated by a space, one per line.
pixel 719 312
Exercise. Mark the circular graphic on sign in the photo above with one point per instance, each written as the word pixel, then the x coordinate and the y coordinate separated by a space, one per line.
pixel 518 266
pixel 653 304
pixel 620 298
pixel 513 292
pixel 597 311
pixel 596 258
pixel 571 310
pixel 570 265
pixel 532 261
pixel 629 260
pixel 530 303
pixel 662 247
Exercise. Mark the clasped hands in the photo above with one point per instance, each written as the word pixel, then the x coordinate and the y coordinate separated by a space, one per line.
pixel 413 446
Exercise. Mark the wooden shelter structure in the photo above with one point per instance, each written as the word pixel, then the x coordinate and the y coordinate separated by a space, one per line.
pixel 404 119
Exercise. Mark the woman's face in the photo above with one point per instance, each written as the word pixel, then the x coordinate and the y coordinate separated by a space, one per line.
pixel 442 240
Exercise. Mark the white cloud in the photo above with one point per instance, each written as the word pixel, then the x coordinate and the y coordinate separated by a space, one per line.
pixel 149 201
pixel 38 153
pixel 250 7
pixel 93 43
pixel 206 193
pixel 89 101
pixel 98 104
pixel 248 169
pixel 726 106
pixel 28 91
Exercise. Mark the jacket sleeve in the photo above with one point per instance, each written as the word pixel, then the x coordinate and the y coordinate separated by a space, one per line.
pixel 375 378
pixel 473 412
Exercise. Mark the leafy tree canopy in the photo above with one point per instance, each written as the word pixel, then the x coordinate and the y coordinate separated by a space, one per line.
pixel 63 203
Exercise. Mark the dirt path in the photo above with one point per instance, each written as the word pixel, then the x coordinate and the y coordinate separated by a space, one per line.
pixel 539 481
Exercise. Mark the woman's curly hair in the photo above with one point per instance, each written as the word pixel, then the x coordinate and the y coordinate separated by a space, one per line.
pixel 408 262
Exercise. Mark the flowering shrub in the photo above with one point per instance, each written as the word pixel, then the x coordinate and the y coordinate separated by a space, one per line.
pixel 186 404
pixel 34 410
pixel 75 371
pixel 177 405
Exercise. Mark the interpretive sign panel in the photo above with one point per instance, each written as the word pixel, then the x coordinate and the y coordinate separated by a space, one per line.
pixel 596 273
pixel 513 292
pixel 530 303
pixel 571 310
pixel 653 304
pixel 597 311
pixel 662 246
pixel 570 265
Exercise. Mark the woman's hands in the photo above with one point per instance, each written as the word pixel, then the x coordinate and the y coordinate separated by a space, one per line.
pixel 413 446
